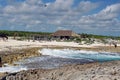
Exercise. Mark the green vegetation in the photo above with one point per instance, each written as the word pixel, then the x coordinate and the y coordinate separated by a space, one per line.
pixel 84 37
pixel 98 36
pixel 22 33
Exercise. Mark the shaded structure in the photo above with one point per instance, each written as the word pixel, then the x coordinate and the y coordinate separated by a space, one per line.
pixel 65 34
pixel 39 37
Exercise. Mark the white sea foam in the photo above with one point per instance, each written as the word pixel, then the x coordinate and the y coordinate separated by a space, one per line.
pixel 78 54
pixel 12 69
pixel 64 52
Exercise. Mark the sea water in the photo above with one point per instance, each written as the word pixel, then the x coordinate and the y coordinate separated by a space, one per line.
pixel 55 58
pixel 81 54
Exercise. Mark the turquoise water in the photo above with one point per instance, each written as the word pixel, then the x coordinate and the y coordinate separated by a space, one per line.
pixel 81 54
pixel 55 58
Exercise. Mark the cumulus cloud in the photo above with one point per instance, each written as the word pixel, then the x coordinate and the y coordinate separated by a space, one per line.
pixel 85 6
pixel 55 13
pixel 61 14
pixel 106 19
pixel 62 4
pixel 110 12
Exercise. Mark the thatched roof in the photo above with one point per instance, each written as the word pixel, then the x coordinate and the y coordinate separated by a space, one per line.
pixel 65 33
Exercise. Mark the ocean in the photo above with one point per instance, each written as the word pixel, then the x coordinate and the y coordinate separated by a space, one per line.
pixel 55 58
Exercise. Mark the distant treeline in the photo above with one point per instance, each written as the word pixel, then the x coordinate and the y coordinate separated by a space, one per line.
pixel 22 33
pixel 27 33
pixel 99 36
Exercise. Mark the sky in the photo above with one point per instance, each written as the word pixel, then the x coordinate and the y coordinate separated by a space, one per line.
pixel 101 17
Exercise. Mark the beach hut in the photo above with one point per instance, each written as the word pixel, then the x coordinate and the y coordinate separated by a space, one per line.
pixel 65 34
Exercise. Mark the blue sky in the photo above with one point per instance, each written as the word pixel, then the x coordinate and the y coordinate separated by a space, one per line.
pixel 82 16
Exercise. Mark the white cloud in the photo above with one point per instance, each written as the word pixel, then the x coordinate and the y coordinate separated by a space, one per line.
pixel 105 20
pixel 62 14
pixel 109 12
pixel 62 4
pixel 85 6
pixel 9 8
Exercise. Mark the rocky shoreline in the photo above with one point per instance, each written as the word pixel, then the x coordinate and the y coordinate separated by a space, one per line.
pixel 92 71
pixel 11 56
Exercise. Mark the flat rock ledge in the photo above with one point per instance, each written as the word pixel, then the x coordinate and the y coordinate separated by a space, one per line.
pixel 92 71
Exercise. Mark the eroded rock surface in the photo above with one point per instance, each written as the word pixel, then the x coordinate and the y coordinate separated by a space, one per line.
pixel 93 71
pixel 11 56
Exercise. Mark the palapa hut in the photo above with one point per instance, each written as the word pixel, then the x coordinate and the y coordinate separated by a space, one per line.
pixel 64 34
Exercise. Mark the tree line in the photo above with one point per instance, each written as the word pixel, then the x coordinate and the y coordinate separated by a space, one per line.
pixel 28 33
pixel 84 35
pixel 22 33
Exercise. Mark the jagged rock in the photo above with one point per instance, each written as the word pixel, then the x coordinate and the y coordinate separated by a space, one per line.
pixel 15 55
